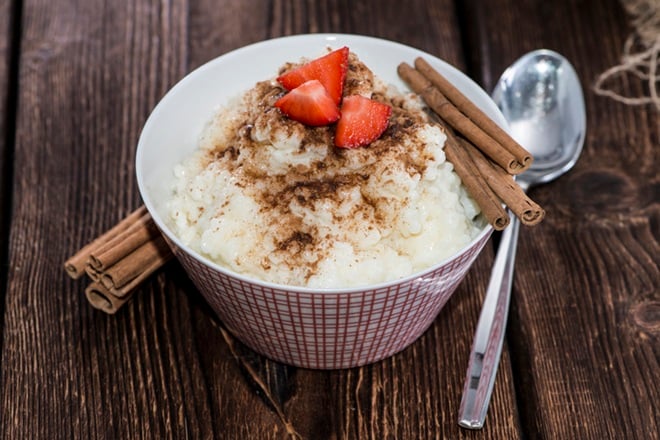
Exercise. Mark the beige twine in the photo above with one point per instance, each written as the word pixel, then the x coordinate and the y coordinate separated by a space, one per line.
pixel 641 54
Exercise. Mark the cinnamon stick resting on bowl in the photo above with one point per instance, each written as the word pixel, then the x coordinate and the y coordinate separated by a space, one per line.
pixel 482 153
pixel 475 184
pixel 522 158
pixel 503 185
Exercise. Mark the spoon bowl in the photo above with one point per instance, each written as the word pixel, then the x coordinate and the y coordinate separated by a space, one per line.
pixel 541 98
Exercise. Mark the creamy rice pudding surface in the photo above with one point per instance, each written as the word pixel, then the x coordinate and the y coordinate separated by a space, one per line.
pixel 270 198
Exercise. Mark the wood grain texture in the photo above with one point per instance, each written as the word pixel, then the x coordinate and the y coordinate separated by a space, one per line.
pixel 585 307
pixel 6 43
pixel 90 72
pixel 581 356
pixel 8 37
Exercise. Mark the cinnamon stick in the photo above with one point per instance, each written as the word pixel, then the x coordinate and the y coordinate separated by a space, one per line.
pixel 461 123
pixel 466 106
pixel 152 267
pixel 528 211
pixel 154 252
pixel 75 265
pixel 139 233
pixel 103 299
pixel 109 298
pixel 119 260
pixel 93 274
pixel 475 184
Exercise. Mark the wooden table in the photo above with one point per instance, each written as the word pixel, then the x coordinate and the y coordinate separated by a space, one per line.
pixel 78 79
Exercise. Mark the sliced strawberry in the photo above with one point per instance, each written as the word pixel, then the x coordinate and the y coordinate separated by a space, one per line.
pixel 362 121
pixel 310 104
pixel 330 69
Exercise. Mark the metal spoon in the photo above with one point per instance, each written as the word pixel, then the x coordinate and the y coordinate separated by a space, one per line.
pixel 541 98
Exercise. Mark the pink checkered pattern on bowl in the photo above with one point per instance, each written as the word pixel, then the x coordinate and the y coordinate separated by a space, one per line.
pixel 329 330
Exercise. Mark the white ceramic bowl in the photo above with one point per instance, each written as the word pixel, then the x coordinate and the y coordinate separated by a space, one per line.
pixel 334 328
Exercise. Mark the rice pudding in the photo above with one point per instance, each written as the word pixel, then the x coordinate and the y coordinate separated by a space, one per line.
pixel 268 197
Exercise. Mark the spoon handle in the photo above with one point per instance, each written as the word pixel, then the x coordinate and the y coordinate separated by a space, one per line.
pixel 488 338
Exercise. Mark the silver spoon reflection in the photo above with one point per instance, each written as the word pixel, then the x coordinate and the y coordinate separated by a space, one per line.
pixel 541 98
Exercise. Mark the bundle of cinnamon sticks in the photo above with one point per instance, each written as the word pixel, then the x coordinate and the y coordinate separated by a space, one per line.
pixel 119 260
pixel 484 156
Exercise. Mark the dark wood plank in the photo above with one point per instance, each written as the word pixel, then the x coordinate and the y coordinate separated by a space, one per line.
pixel 8 42
pixel 584 330
pixel 90 72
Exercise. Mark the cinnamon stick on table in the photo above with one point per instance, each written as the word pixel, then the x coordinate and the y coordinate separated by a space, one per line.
pixel 523 157
pixel 101 298
pixel 119 260
pixel 75 266
pixel 139 232
pixel 133 265
pixel 109 294
pixel 461 123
